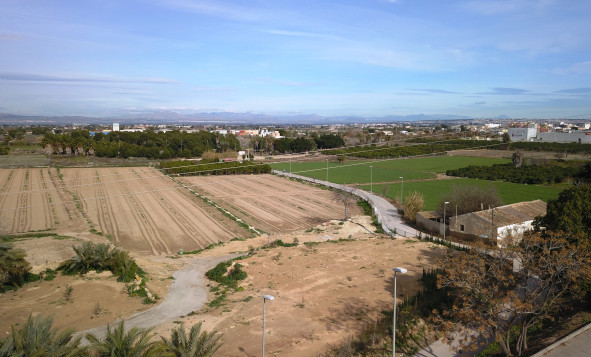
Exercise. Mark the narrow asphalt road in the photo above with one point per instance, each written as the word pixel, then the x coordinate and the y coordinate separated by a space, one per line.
pixel 386 213
pixel 187 293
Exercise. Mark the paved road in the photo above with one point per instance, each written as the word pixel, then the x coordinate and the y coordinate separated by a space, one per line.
pixel 577 344
pixel 385 212
pixel 187 293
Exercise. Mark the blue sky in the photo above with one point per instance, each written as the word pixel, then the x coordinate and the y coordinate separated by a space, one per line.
pixel 521 58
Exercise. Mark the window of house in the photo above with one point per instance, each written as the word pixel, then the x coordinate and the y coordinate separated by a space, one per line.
pixel 461 227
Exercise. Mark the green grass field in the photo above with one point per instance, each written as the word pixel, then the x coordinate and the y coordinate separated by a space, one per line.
pixel 433 191
pixel 359 172
pixel 384 170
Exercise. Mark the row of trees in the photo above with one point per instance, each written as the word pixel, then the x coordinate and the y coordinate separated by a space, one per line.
pixel 37 337
pixel 161 145
pixel 271 145
pixel 193 168
pixel 381 152
pixel 548 172
pixel 569 148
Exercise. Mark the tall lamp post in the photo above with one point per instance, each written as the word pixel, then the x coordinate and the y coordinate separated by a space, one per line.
pixel 444 205
pixel 401 188
pixel 402 271
pixel 265 298
pixel 371 178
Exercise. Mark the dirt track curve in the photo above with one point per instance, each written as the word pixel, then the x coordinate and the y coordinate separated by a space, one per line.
pixel 187 293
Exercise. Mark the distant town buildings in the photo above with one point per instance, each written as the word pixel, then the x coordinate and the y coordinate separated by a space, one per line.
pixel 115 126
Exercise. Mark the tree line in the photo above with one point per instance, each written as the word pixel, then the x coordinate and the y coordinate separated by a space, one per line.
pixel 271 145
pixel 149 144
pixel 195 168
pixel 544 172
pixel 569 148
pixel 382 152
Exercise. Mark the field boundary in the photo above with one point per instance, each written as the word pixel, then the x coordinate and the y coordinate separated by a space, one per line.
pixel 219 208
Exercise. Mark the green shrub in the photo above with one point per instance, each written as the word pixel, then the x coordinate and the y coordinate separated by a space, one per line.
pixel 102 257
pixel 221 275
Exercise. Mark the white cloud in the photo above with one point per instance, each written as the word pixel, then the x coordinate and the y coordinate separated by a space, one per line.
pixel 578 68
pixel 302 34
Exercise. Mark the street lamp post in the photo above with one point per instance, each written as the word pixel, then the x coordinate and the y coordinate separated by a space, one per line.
pixel 444 205
pixel 265 298
pixel 401 188
pixel 402 271
pixel 371 178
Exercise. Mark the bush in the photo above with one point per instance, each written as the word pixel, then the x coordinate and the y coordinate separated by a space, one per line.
pixel 101 257
pixel 221 275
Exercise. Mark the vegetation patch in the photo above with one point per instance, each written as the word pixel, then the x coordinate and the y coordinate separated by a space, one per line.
pixel 552 171
pixel 190 168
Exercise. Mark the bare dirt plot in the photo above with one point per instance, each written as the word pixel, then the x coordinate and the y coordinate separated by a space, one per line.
pixel 142 210
pixel 270 203
pixel 31 200
pixel 82 312
pixel 324 293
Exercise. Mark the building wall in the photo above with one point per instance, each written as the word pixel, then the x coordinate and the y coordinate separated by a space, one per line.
pixel 430 226
pixel 522 134
pixel 583 137
pixel 473 225
pixel 513 230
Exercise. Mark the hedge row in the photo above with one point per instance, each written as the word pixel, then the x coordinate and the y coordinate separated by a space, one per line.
pixel 550 172
pixel 375 152
pixel 222 168
pixel 569 148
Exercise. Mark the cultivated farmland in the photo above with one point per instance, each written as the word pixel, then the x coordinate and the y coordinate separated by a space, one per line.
pixel 270 203
pixel 136 208
pixel 143 210
pixel 35 200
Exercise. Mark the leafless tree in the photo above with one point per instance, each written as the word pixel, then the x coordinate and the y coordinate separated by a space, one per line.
pixel 517 158
pixel 491 296
pixel 346 198
pixel 470 199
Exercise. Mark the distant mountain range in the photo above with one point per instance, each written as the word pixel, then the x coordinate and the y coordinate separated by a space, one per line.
pixel 226 118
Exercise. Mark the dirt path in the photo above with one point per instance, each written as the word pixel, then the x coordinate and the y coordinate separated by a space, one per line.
pixel 187 293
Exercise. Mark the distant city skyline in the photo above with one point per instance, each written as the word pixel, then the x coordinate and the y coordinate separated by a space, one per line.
pixel 474 58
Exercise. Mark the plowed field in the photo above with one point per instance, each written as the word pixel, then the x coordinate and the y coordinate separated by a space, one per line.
pixel 137 208
pixel 270 203
pixel 34 200
pixel 143 211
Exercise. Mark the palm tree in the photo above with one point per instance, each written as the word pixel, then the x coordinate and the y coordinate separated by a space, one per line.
pixel 89 256
pixel 198 344
pixel 37 338
pixel 118 343
pixel 13 266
